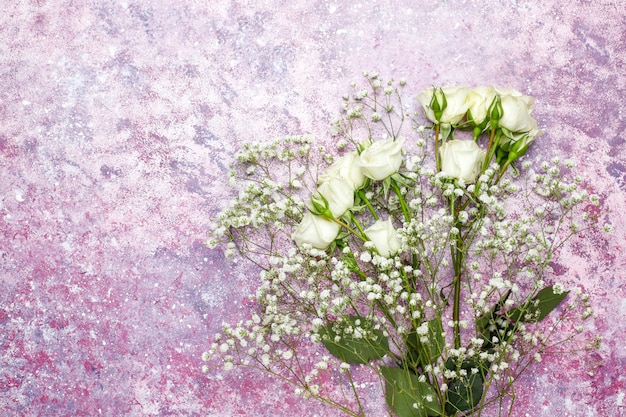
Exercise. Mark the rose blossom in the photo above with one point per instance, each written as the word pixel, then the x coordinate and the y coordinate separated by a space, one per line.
pixel 382 158
pixel 518 144
pixel 339 195
pixel 315 230
pixel 507 141
pixel 456 100
pixel 347 168
pixel 479 100
pixel 516 113
pixel 461 159
pixel 507 91
pixel 384 237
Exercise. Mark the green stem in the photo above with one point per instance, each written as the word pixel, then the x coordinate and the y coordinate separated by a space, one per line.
pixel 456 311
pixel 386 313
pixel 351 230
pixel 356 394
pixel 359 226
pixel 363 197
pixel 405 208
pixel 437 157
pixel 407 217
pixel 380 305
pixel 490 146
pixel 502 171
pixel 494 140
pixel 457 253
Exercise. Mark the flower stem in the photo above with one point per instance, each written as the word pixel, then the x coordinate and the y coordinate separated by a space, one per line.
pixel 437 157
pixel 405 207
pixel 456 310
pixel 363 197
pixel 457 253
pixel 360 235
pixel 502 171
pixel 356 394
pixel 489 153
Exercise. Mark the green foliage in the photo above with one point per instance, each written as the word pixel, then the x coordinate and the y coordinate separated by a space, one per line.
pixel 496 322
pixel 407 396
pixel 539 306
pixel 426 353
pixel 342 342
pixel 464 391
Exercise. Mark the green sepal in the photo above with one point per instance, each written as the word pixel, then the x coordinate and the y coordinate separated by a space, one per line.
pixel 495 112
pixel 538 307
pixel 427 353
pixel 366 185
pixel 402 180
pixel 351 349
pixel 359 199
pixel 501 156
pixel 476 131
pixel 519 148
pixel 436 106
pixel 321 209
pixel 386 186
pixel 445 129
pixel 403 389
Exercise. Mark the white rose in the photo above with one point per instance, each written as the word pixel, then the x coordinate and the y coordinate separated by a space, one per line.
pixel 510 138
pixel 456 103
pixel 317 231
pixel 384 237
pixel 347 168
pixel 461 159
pixel 338 193
pixel 507 91
pixel 478 100
pixel 519 143
pixel 516 113
pixel 382 158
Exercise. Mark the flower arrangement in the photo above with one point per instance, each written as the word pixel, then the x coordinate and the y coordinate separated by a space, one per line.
pixel 424 257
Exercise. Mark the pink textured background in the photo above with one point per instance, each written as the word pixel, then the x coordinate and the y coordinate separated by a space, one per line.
pixel 117 123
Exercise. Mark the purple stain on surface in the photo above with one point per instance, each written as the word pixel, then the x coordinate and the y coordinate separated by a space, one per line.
pixel 617 170
pixel 558 269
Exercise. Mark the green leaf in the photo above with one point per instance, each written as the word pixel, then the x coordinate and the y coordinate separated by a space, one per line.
pixel 539 307
pixel 340 340
pixel 427 352
pixel 464 392
pixel 407 396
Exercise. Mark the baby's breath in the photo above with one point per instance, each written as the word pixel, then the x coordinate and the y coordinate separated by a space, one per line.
pixel 461 303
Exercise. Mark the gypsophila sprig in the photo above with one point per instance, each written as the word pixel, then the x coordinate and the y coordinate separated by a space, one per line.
pixel 419 253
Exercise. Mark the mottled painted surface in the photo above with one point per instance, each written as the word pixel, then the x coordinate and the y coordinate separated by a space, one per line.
pixel 117 123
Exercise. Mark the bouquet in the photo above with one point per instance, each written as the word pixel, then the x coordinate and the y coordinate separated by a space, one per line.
pixel 422 255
